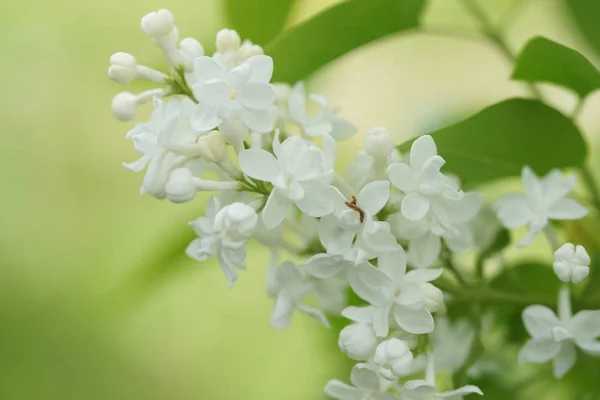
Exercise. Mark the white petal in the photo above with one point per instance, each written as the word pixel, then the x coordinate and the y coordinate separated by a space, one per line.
pixel 206 68
pixel 417 321
pixel 205 118
pixel 282 312
pixel 239 75
pixel 315 314
pixel 565 360
pixel 513 210
pixel 585 324
pixel 402 177
pixel 579 274
pixel 342 391
pixel 419 389
pixel 211 92
pixel 374 196
pixel 424 252
pixel 581 256
pixel 317 200
pixel 362 377
pixel 466 208
pixel 324 266
pixel 257 95
pixel 555 186
pixel 259 164
pixel 460 392
pixel 566 208
pixel 371 275
pixel 335 238
pixel 591 348
pixel 377 236
pixel 258 120
pixel 532 185
pixel 422 150
pixel 421 276
pixel 381 321
pixel 393 264
pixel 364 315
pixel 414 206
pixel 539 350
pixel 262 68
pixel 275 209
pixel 539 320
pixel 342 129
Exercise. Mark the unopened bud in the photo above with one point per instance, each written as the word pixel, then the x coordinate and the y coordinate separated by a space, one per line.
pixel 394 358
pixel 124 106
pixel 249 49
pixel 213 146
pixel 158 24
pixel 123 68
pixel 378 142
pixel 190 49
pixel 358 341
pixel 228 40
pixel 180 187
pixel 571 263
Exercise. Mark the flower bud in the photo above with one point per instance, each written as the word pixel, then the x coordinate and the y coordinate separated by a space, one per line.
pixel 180 186
pixel 282 93
pixel 158 24
pixel 358 341
pixel 228 40
pixel 434 298
pixel 571 263
pixel 378 142
pixel 236 222
pixel 213 146
pixel 124 106
pixel 190 49
pixel 249 49
pixel 123 68
pixel 394 358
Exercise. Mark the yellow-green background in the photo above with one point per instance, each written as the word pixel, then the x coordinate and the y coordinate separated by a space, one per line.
pixel 80 318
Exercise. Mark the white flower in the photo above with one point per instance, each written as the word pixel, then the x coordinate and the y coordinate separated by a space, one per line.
pixel 366 386
pixel 299 172
pixel 358 341
pixel 323 122
pixel 356 217
pixel 378 142
pixel 422 390
pixel 236 100
pixel 291 287
pixel 544 199
pixel 223 232
pixel 425 186
pixel 555 338
pixel 571 263
pixel 168 128
pixel 393 356
pixel 425 236
pixel 403 297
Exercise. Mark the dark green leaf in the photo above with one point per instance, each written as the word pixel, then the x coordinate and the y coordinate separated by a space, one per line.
pixel 543 60
pixel 258 20
pixel 586 14
pixel 302 50
pixel 498 141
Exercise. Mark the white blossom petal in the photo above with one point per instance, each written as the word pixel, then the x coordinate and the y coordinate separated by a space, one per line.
pixel 258 120
pixel 402 177
pixel 564 360
pixel 342 391
pixel 414 206
pixel 259 164
pixel 206 68
pixel 362 377
pixel 421 151
pixel 417 321
pixel 205 118
pixel 424 252
pixel 257 95
pixel 585 324
pixel 262 68
pixel 275 209
pixel 374 196
pixel 460 392
pixel 539 320
pixel 539 350
pixel 566 209
pixel 513 210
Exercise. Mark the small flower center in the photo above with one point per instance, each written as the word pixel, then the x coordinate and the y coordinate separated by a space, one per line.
pixel 233 94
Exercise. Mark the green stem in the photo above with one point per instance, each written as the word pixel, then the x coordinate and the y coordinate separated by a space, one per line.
pixel 446 257
pixel 591 185
pixel 495 36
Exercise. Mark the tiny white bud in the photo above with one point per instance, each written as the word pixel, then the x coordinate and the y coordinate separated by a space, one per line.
pixel 237 219
pixel 571 263
pixel 378 142
pixel 212 146
pixel 190 49
pixel 228 40
pixel 358 341
pixel 434 298
pixel 158 23
pixel 180 187
pixel 282 92
pixel 393 356
pixel 123 68
pixel 249 49
pixel 124 105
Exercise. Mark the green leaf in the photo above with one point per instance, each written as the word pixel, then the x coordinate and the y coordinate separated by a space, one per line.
pixel 498 141
pixel 258 20
pixel 592 289
pixel 586 14
pixel 543 60
pixel 302 50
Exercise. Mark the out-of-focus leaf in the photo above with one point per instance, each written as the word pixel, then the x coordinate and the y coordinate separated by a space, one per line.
pixel 302 50
pixel 543 60
pixel 498 141
pixel 592 290
pixel 258 20
pixel 501 241
pixel 586 14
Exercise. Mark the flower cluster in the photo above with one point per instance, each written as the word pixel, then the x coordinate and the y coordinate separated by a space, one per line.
pixel 385 229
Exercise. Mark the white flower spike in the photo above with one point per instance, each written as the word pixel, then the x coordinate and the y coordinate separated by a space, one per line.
pixel 571 263
pixel 544 200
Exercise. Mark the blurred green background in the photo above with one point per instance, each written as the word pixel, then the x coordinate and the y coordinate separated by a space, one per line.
pixel 93 305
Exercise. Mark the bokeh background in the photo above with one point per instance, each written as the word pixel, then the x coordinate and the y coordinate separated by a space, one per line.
pixel 93 303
